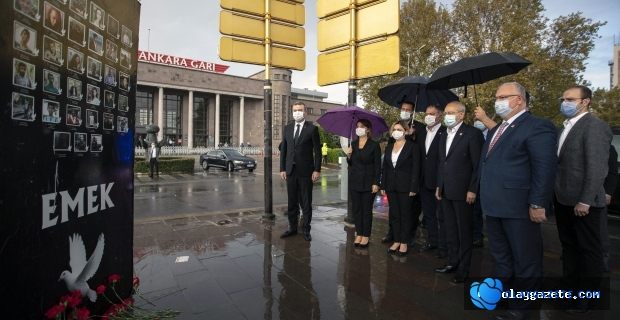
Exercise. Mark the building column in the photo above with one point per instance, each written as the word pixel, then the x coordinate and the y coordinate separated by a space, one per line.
pixel 217 120
pixel 160 114
pixel 241 119
pixel 190 121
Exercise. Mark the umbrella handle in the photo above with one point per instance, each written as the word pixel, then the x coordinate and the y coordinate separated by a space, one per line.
pixel 475 96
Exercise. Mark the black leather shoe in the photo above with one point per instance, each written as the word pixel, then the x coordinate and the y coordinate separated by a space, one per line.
pixel 402 253
pixel 392 251
pixel 387 239
pixel 307 236
pixel 478 243
pixel 446 269
pixel 512 315
pixel 364 246
pixel 428 247
pixel 288 233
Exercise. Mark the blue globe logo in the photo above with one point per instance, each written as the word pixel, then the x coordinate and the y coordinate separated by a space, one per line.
pixel 486 294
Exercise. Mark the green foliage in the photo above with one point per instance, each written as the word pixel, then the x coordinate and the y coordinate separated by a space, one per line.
pixel 606 105
pixel 167 165
pixel 332 140
pixel 333 154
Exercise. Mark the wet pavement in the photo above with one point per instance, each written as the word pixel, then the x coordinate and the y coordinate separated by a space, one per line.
pixel 233 266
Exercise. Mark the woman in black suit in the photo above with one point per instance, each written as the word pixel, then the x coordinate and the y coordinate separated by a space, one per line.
pixel 364 158
pixel 400 180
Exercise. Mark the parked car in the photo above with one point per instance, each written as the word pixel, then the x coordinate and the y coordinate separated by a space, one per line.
pixel 227 159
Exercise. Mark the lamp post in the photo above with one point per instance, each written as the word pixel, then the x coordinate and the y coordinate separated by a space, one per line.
pixel 409 54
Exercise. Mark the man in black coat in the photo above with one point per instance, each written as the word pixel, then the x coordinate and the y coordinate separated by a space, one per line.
pixel 300 166
pixel 457 185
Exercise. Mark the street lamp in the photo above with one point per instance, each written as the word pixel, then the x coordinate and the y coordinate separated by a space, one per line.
pixel 409 54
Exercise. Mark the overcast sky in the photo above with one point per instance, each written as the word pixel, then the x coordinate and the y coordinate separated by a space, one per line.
pixel 190 29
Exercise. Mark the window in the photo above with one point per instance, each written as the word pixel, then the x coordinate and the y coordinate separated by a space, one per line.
pixel 276 77
pixel 323 111
pixel 284 77
pixel 173 104
pixel 225 121
pixel 200 119
pixel 310 110
pixel 144 107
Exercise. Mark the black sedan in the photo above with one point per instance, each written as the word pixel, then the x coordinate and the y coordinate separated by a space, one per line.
pixel 227 159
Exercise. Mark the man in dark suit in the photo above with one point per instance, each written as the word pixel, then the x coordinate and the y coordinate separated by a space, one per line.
pixel 583 154
pixel 457 184
pixel 516 182
pixel 610 188
pixel 428 142
pixel 300 166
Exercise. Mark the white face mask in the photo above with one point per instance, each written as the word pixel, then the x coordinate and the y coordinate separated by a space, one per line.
pixel 502 108
pixel 479 125
pixel 449 120
pixel 360 132
pixel 430 120
pixel 397 135
pixel 405 115
pixel 298 116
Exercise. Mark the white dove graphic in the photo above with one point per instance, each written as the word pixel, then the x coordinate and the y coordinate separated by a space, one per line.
pixel 82 270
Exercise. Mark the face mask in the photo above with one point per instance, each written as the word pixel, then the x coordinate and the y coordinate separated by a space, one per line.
pixel 502 108
pixel 449 120
pixel 405 115
pixel 479 125
pixel 569 109
pixel 298 116
pixel 360 132
pixel 430 120
pixel 397 134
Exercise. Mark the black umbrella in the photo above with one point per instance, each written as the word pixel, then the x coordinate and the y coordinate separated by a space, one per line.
pixel 414 89
pixel 476 70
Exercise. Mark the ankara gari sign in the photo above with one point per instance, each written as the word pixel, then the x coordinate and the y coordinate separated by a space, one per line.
pixel 164 59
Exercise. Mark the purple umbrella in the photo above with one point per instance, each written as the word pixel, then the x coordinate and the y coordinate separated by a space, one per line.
pixel 341 121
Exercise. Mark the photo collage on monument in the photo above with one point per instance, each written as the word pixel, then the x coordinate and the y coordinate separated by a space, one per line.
pixel 70 71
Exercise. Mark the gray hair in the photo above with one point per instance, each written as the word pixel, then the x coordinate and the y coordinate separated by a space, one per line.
pixel 520 88
pixel 460 107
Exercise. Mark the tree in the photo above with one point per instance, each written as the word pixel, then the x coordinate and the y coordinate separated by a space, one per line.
pixel 606 105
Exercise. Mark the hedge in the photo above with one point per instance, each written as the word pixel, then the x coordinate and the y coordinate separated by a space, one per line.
pixel 167 165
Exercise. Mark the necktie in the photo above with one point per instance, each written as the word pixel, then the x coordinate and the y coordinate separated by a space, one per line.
pixel 499 134
pixel 297 132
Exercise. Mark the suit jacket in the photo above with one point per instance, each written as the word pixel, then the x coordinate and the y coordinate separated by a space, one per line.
pixel 611 181
pixel 305 153
pixel 456 174
pixel 405 176
pixel 430 160
pixel 520 168
pixel 365 166
pixel 583 163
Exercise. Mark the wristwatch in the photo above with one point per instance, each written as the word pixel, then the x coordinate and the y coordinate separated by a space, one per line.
pixel 534 206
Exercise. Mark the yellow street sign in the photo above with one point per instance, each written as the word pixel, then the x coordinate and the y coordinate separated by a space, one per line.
pixel 377 19
pixel 254 53
pixel 373 59
pixel 289 12
pixel 326 8
pixel 243 26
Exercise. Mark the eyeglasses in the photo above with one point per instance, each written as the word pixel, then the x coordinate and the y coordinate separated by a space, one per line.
pixel 507 96
pixel 570 99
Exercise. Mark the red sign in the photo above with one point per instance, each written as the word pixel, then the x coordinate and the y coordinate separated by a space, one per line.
pixel 164 59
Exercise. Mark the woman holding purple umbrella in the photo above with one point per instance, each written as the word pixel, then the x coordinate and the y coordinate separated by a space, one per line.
pixel 364 158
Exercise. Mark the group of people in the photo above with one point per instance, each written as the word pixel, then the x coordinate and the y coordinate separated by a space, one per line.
pixel 516 172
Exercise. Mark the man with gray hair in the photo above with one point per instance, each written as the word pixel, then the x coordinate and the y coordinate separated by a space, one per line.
pixel 517 170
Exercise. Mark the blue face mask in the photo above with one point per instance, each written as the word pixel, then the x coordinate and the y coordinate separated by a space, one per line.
pixel 502 108
pixel 568 109
pixel 479 125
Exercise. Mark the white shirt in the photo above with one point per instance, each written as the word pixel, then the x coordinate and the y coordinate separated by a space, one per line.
pixel 510 121
pixel 568 124
pixel 153 152
pixel 430 135
pixel 301 126
pixel 451 133
pixel 395 155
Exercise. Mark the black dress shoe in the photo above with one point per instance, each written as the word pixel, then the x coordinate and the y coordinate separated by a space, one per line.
pixel 478 243
pixel 446 269
pixel 428 247
pixel 392 251
pixel 387 239
pixel 512 315
pixel 288 233
pixel 307 236
pixel 356 244
pixel 402 253
pixel 364 246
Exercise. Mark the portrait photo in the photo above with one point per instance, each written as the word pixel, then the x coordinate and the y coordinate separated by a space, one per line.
pixel 109 77
pixel 123 124
pixel 111 51
pixel 23 74
pixel 78 7
pixel 62 141
pixel 93 95
pixel 123 103
pixel 54 18
pixel 77 32
pixel 94 69
pixel 113 27
pixel 75 60
pixel 97 16
pixel 52 51
pixel 51 82
pixel 74 116
pixel 123 80
pixel 108 99
pixel 125 59
pixel 126 36
pixel 29 8
pixel 25 39
pixel 92 119
pixel 108 121
pixel 96 143
pixel 80 142
pixel 74 89
pixel 23 107
pixel 95 42
pixel 51 111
